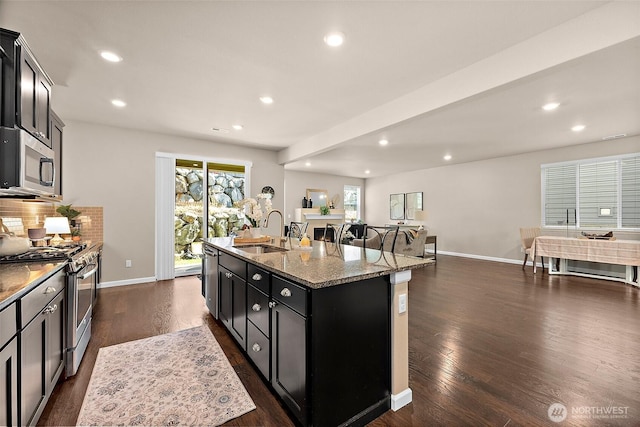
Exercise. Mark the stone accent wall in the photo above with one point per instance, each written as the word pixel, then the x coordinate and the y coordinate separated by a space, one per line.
pixel 223 191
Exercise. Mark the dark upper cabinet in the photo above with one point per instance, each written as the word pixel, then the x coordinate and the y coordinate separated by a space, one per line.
pixel 56 143
pixel 34 114
pixel 26 88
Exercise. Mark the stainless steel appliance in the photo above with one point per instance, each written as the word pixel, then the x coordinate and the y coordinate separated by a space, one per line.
pixel 210 279
pixel 27 166
pixel 82 287
pixel 82 280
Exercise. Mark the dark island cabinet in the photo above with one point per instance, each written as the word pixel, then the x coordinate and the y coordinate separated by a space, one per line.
pixel 289 358
pixel 324 351
pixel 233 305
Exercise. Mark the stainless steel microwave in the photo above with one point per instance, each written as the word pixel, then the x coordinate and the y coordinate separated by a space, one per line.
pixel 27 166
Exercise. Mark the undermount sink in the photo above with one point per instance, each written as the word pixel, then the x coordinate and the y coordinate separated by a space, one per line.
pixel 260 249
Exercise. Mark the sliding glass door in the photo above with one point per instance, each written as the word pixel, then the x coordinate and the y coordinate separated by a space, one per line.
pixel 206 193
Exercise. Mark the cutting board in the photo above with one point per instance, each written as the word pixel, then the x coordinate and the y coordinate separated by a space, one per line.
pixel 260 239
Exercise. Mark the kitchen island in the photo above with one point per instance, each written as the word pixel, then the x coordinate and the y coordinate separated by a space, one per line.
pixel 326 326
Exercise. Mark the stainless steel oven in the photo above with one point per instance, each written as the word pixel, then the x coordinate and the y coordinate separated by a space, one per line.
pixel 82 282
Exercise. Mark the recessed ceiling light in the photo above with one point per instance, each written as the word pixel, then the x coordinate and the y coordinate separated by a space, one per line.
pixel 237 127
pixel 118 103
pixel 307 164
pixel 110 56
pixel 367 171
pixel 447 157
pixel 578 128
pixel 266 100
pixel 550 106
pixel 383 142
pixel 334 39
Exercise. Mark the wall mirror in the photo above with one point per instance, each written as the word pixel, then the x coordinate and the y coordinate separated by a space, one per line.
pixel 318 197
pixel 414 203
pixel 396 204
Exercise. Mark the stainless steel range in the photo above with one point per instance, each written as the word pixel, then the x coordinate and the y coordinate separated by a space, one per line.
pixel 83 270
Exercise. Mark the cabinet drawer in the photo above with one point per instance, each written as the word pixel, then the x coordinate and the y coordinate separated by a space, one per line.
pixel 294 296
pixel 258 278
pixel 233 264
pixel 36 300
pixel 8 324
pixel 258 348
pixel 258 309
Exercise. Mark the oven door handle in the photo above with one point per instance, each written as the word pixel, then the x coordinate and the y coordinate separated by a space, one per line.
pixel 94 268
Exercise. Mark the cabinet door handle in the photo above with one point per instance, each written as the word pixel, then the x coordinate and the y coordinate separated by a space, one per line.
pixel 256 347
pixel 285 292
pixel 229 275
pixel 272 304
pixel 49 290
pixel 256 307
pixel 50 309
pixel 257 276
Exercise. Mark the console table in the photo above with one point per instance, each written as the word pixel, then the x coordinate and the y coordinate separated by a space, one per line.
pixel 561 249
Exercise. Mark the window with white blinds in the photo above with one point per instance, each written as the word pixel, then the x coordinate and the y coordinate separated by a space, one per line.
pixel 630 192
pixel 594 193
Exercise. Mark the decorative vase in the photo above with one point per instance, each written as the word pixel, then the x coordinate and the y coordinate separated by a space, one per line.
pixel 256 232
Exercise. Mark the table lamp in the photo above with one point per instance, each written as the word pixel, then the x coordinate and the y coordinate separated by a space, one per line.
pixel 55 225
pixel 420 216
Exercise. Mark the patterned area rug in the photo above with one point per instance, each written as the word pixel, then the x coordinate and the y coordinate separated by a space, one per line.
pixel 181 378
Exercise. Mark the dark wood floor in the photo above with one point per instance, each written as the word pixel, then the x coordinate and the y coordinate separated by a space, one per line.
pixel 490 344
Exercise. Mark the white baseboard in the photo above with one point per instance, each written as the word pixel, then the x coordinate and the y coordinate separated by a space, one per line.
pixel 126 282
pixel 486 258
pixel 401 399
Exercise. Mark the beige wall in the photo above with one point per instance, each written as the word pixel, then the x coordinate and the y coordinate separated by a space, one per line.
pixel 296 184
pixel 477 208
pixel 115 168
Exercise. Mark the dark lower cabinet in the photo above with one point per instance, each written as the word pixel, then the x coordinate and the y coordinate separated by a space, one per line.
pixel 289 359
pixel 9 375
pixel 42 358
pixel 233 305
pixel 326 352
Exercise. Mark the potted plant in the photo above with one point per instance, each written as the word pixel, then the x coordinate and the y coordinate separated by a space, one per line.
pixel 71 214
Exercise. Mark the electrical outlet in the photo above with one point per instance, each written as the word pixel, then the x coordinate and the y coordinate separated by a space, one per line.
pixel 127 263
pixel 402 303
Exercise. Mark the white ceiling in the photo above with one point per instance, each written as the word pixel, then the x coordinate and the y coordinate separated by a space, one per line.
pixel 466 78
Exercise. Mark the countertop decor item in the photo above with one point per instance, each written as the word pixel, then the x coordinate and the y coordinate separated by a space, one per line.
pixel 37 233
pixel 268 191
pixel 56 225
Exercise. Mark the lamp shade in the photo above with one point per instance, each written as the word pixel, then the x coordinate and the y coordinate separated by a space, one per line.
pixel 420 215
pixel 57 224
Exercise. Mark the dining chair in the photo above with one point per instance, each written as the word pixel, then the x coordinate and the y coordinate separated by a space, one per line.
pixel 333 232
pixel 527 236
pixel 297 229
pixel 381 237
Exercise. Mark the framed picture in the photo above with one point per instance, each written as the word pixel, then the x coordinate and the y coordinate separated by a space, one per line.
pixel 396 204
pixel 414 203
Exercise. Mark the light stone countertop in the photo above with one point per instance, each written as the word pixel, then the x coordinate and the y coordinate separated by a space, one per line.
pixel 16 279
pixel 326 264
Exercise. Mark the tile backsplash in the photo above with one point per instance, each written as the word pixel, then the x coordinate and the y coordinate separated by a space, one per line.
pixel 19 215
